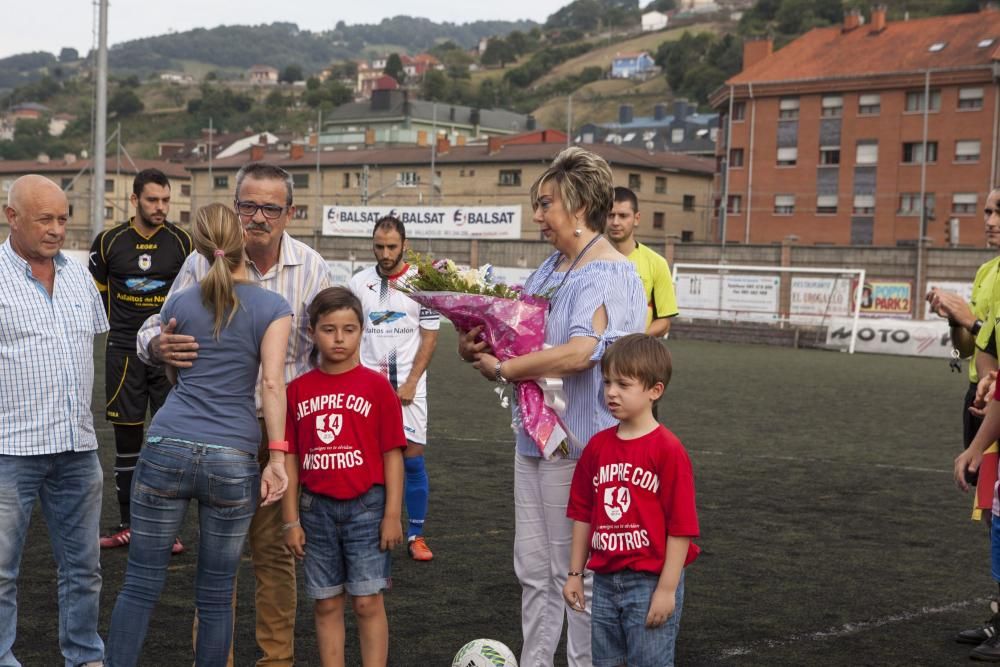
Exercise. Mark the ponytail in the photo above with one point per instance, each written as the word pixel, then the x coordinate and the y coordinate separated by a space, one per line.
pixel 218 237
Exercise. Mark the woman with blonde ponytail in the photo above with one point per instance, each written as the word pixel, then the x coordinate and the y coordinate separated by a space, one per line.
pixel 203 444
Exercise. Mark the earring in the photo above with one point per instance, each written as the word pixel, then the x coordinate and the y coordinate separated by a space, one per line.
pixel 577 232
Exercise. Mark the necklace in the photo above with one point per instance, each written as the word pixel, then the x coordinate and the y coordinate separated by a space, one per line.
pixel 552 297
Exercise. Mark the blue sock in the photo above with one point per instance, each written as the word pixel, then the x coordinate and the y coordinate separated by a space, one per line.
pixel 417 491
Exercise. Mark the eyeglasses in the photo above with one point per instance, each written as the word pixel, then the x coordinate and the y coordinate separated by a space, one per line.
pixel 249 209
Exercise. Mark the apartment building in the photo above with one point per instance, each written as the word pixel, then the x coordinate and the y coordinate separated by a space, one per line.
pixel 858 134
pixel 674 190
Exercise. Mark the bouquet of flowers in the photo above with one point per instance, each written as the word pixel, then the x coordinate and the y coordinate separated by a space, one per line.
pixel 513 324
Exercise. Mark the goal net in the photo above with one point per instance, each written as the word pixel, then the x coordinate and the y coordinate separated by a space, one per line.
pixel 778 295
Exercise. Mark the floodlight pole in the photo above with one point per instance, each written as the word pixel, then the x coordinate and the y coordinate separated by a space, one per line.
pixel 100 122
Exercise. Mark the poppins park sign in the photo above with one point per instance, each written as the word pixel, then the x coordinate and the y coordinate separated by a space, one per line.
pixel 427 222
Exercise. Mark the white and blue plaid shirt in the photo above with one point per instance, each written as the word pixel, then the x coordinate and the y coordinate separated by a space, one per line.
pixel 47 357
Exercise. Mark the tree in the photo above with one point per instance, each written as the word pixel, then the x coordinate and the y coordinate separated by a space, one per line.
pixel 498 52
pixel 661 6
pixel 456 64
pixel 394 68
pixel 125 103
pixel 68 54
pixel 275 100
pixel 291 74
pixel 312 83
pixel 435 86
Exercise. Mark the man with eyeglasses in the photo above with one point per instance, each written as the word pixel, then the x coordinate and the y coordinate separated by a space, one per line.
pixel 297 272
pixel 973 334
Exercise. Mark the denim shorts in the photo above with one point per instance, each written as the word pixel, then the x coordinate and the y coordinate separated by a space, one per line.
pixel 342 544
pixel 619 635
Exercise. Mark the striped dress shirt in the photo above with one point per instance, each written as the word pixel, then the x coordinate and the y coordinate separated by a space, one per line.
pixel 299 275
pixel 47 357
pixel 617 287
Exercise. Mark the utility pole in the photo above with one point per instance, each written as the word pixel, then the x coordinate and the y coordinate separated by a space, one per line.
pixel 101 122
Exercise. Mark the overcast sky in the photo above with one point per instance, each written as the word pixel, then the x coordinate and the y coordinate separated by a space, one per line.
pixel 49 25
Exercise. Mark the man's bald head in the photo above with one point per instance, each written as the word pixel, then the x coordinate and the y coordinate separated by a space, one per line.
pixel 37 212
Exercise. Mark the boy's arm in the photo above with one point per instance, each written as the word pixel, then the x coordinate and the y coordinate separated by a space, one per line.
pixel 573 589
pixel 295 537
pixel 391 530
pixel 662 603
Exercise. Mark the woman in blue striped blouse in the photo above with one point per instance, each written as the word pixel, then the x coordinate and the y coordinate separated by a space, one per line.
pixel 595 298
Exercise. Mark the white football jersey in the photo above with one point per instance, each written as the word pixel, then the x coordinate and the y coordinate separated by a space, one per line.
pixel 391 335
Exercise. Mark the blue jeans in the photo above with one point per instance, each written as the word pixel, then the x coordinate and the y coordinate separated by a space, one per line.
pixel 619 635
pixel 69 487
pixel 226 483
pixel 342 544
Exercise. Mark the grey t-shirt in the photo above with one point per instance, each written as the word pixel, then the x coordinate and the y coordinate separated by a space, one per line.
pixel 213 400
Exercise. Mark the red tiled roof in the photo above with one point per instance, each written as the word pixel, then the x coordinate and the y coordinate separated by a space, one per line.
pixel 478 154
pixel 903 46
pixel 171 169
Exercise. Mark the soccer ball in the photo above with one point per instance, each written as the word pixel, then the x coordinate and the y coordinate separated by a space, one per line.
pixel 484 653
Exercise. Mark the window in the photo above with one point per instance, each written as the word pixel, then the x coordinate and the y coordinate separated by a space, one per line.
pixel 109 185
pixel 832 106
pixel 109 212
pixel 739 111
pixel 661 185
pixel 866 153
pixel 915 100
pixel 909 203
pixel 185 216
pixel 347 180
pixel 788 108
pixel 913 152
pixel 826 204
pixel 688 204
pixel 829 155
pixel 787 157
pixel 967 151
pixel 472 172
pixel 407 179
pixel 658 220
pixel 970 98
pixel 687 236
pixel 300 180
pixel 963 202
pixel 736 157
pixel 735 204
pixel 937 46
pixel 784 204
pixel 634 182
pixel 185 189
pixel 983 43
pixel 65 183
pixel 869 104
pixel 301 213
pixel 510 177
pixel 677 135
pixel 864 205
pixel 220 182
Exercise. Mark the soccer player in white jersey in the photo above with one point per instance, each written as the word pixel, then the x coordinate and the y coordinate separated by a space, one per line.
pixel 398 342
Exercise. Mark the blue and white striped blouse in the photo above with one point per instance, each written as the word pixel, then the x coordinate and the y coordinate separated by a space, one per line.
pixel 47 357
pixel 617 286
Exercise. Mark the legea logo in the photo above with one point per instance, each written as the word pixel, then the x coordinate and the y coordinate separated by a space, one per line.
pixel 328 427
pixel 617 500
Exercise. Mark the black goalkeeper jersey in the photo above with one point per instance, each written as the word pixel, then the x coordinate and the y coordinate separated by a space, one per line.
pixel 134 273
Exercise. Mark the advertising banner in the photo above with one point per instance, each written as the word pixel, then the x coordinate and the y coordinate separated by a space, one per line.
pixel 886 298
pixel 739 297
pixel 893 336
pixel 427 222
pixel 816 299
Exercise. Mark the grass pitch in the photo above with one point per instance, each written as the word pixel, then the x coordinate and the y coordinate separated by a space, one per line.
pixel 831 530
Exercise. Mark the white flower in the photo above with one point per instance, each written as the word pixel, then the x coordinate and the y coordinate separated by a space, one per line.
pixel 471 277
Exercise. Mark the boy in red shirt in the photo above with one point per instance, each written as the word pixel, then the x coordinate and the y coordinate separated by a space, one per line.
pixel 632 503
pixel 346 441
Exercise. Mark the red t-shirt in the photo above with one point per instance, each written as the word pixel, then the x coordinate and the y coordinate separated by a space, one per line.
pixel 634 493
pixel 340 426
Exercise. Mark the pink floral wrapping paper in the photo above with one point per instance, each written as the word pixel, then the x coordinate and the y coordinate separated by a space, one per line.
pixel 512 327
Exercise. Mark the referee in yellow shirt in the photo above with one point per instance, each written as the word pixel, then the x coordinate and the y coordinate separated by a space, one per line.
pixel 652 268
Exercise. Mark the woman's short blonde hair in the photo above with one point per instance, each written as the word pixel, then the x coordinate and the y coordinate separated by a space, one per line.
pixel 585 183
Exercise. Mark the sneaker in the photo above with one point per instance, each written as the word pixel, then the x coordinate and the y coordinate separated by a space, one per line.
pixel 988 651
pixel 419 550
pixel 121 538
pixel 976 635
pixel 177 548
